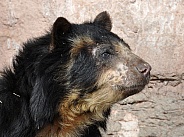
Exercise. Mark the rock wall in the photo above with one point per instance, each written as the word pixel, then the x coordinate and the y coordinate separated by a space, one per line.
pixel 155 31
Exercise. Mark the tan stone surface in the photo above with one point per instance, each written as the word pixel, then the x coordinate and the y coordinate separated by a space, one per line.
pixel 155 31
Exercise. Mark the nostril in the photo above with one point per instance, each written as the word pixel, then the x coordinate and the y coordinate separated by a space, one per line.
pixel 144 68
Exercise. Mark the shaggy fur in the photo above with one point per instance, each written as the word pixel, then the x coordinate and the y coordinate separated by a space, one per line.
pixel 64 83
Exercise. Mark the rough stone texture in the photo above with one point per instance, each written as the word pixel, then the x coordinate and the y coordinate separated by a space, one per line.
pixel 155 31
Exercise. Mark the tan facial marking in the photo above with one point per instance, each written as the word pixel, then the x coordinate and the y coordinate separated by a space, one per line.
pixel 114 76
pixel 80 42
pixel 120 48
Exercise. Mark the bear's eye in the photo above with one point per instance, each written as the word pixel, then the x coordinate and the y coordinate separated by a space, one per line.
pixel 106 54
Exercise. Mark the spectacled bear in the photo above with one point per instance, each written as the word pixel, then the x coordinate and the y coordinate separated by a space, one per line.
pixel 64 83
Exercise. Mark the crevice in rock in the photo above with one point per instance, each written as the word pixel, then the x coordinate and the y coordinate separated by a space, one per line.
pixel 134 102
pixel 169 79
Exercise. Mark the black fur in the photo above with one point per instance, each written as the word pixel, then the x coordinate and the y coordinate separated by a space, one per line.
pixel 30 91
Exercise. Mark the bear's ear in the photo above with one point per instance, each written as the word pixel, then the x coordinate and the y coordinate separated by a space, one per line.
pixel 103 19
pixel 60 28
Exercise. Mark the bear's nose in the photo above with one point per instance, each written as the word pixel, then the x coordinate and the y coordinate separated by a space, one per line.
pixel 144 68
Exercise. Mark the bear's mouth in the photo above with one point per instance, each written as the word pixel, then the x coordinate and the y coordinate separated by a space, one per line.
pixel 131 90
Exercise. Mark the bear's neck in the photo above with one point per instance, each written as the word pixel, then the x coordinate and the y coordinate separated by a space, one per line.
pixel 69 126
pixel 75 115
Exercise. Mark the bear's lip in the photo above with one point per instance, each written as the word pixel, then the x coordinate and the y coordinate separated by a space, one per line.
pixel 131 90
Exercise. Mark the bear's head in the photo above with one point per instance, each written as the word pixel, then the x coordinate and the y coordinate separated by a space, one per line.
pixel 101 68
